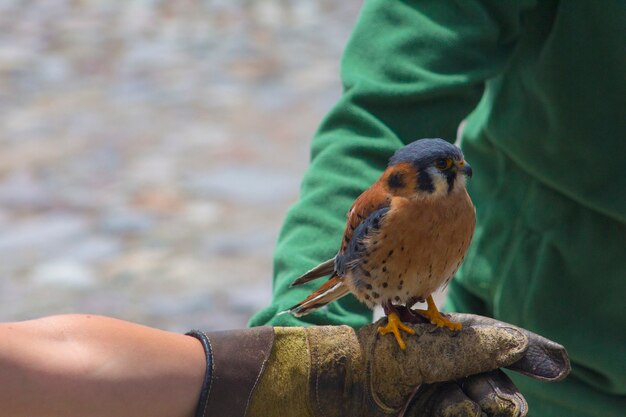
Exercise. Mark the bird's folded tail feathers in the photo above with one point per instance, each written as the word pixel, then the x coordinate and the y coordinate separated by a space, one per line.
pixel 323 269
pixel 331 290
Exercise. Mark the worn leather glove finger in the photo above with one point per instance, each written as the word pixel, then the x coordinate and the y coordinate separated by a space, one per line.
pixel 490 394
pixel 495 394
pixel 544 359
pixel 444 399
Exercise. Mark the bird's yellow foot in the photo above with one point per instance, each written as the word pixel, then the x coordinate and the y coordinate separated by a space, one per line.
pixel 394 325
pixel 435 316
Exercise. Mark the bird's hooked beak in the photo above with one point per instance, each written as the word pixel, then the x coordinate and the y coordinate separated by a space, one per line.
pixel 464 168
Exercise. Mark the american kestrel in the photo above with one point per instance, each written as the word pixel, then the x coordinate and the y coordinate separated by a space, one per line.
pixel 405 237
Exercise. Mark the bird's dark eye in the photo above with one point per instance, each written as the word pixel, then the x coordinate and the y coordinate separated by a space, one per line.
pixel 443 163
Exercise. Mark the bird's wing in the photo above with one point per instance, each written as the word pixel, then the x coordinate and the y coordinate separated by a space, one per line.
pixel 368 202
pixel 357 247
pixel 323 269
pixel 335 287
pixel 373 199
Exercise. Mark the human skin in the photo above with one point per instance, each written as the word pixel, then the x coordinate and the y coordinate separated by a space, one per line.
pixel 72 365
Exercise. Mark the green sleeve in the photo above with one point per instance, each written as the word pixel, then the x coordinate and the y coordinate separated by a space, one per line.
pixel 412 69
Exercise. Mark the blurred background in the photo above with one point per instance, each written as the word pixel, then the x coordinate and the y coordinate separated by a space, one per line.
pixel 150 149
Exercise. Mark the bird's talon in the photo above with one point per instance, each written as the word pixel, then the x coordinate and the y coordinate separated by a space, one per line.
pixel 442 321
pixel 436 317
pixel 394 325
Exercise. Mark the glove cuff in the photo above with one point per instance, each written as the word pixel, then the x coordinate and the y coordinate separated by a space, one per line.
pixel 235 361
pixel 263 371
pixel 208 373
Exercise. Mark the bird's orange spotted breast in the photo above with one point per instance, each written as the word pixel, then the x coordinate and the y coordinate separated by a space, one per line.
pixel 418 248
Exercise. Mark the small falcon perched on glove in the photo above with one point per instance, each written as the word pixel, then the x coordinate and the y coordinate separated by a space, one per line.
pixel 405 237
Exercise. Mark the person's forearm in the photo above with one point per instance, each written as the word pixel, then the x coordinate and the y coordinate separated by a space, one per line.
pixel 97 366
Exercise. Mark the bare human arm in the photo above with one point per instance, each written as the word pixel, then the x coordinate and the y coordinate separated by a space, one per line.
pixel 73 365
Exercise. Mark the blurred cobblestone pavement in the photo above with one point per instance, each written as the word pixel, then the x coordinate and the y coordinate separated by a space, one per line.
pixel 149 150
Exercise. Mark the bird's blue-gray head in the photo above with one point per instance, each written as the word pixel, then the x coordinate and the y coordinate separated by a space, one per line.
pixel 439 166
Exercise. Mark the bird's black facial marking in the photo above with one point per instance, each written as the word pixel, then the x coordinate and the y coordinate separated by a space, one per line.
pixel 425 182
pixel 450 177
pixel 396 180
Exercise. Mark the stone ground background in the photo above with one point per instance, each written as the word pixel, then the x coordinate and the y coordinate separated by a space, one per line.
pixel 149 150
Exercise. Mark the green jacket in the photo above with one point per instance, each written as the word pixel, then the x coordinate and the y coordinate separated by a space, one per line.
pixel 542 87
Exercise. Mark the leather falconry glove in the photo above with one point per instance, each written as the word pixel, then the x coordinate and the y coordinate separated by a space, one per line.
pixel 335 371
